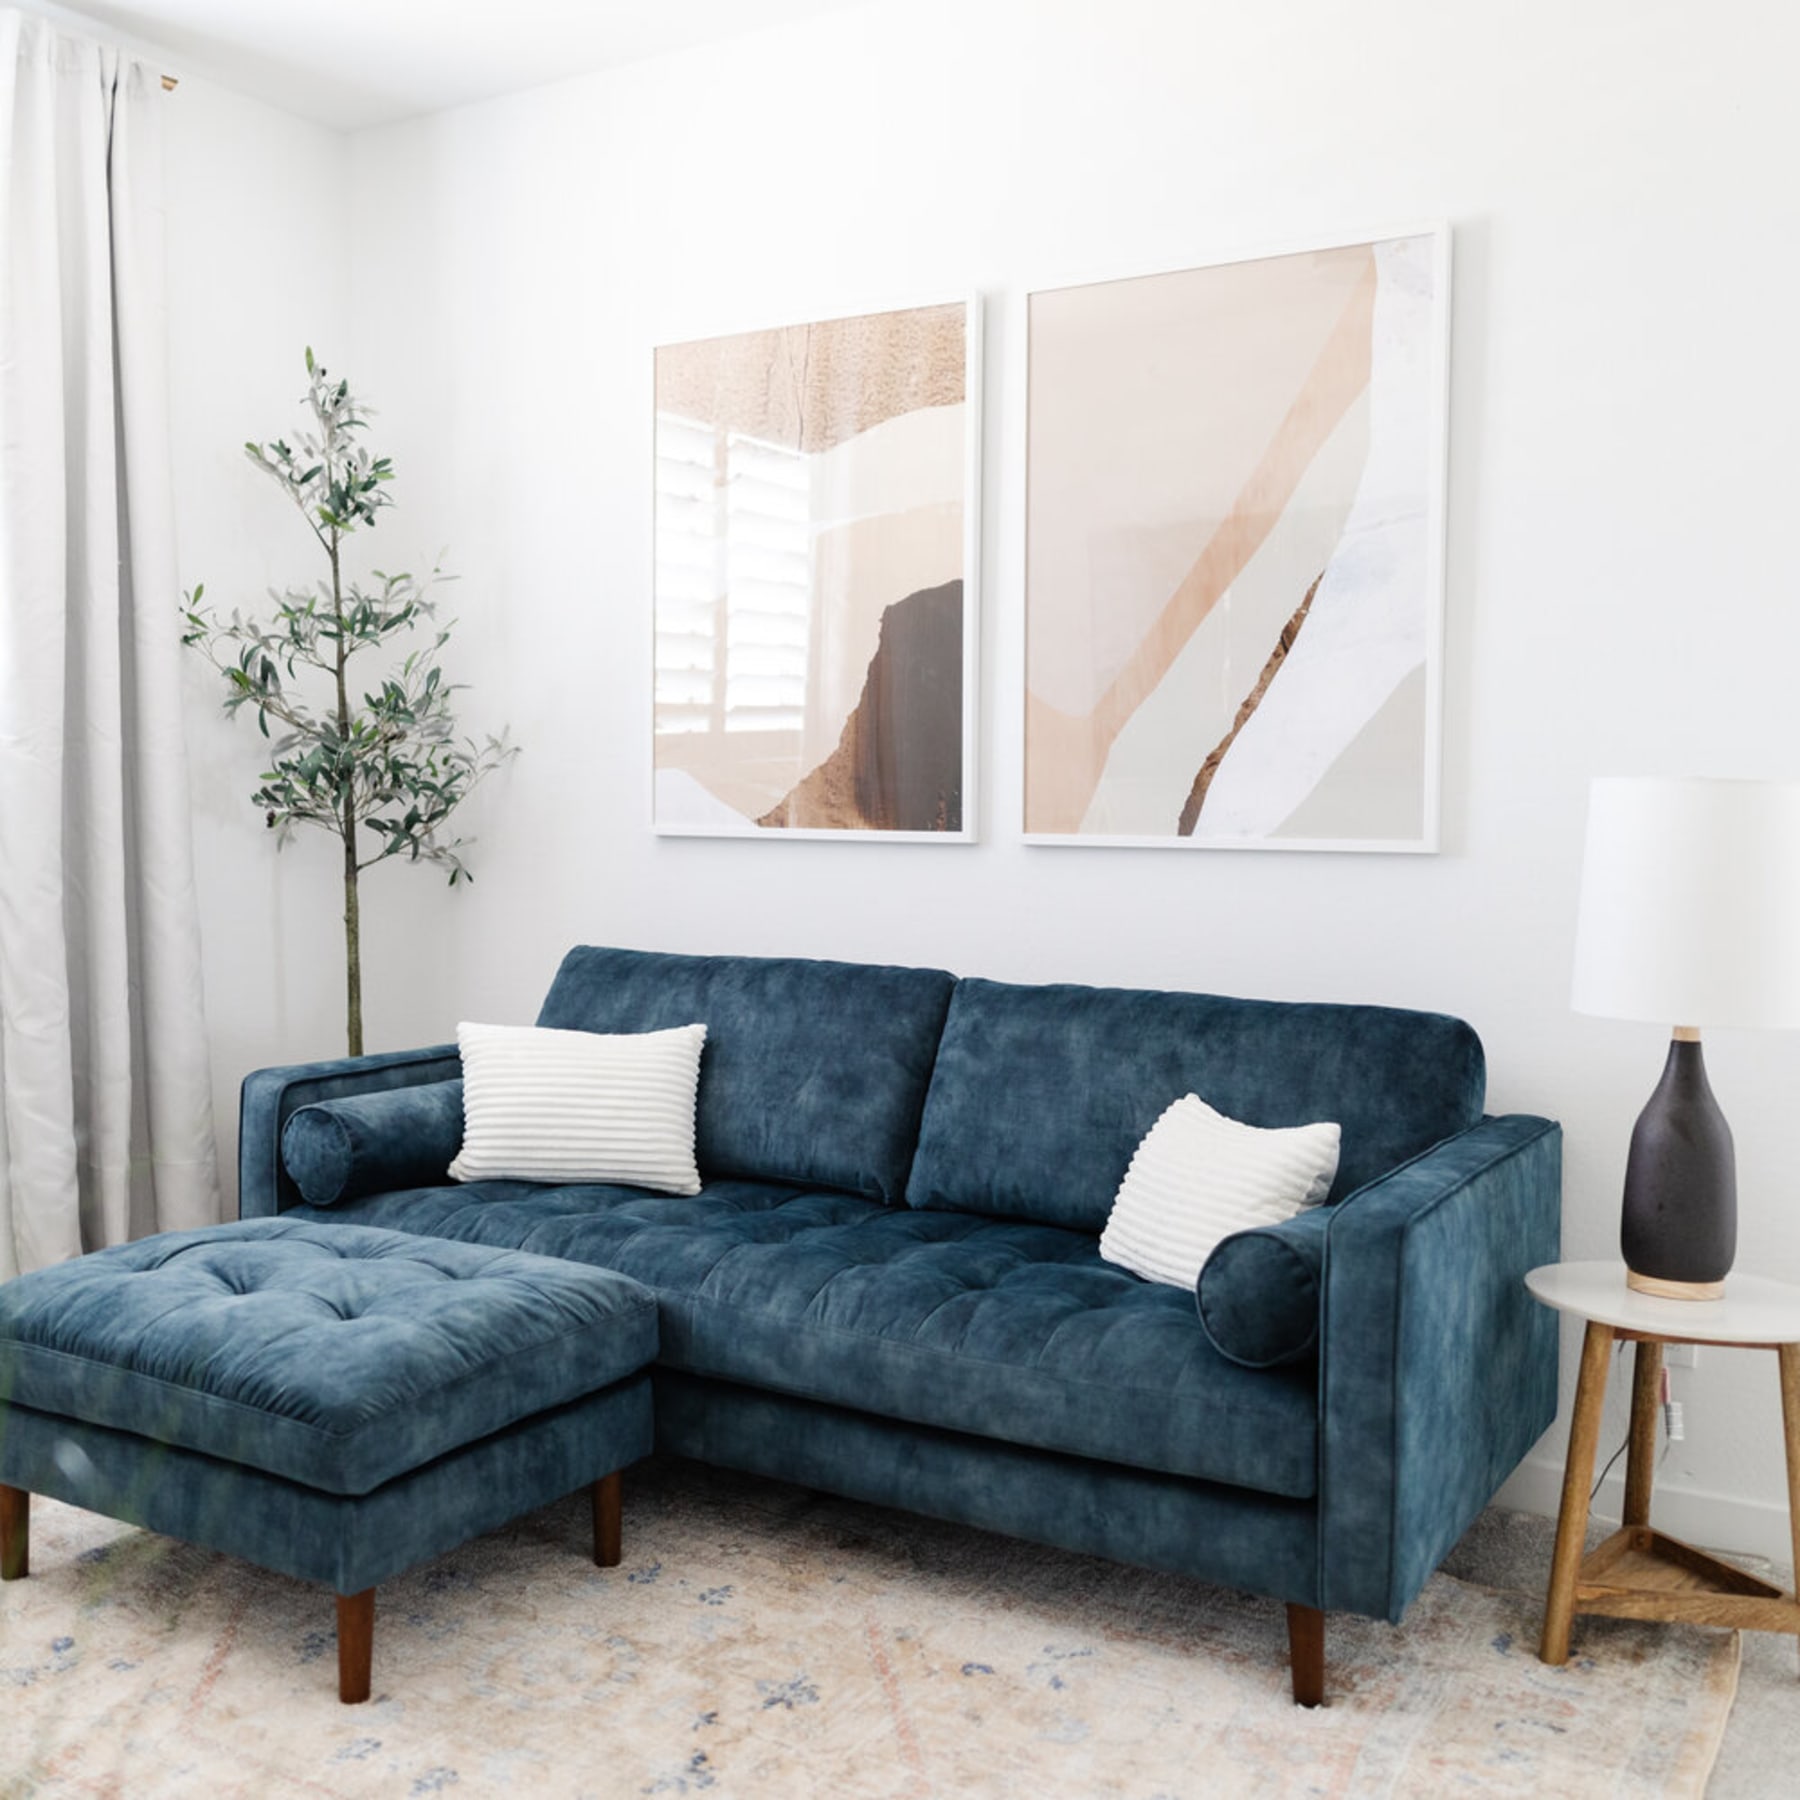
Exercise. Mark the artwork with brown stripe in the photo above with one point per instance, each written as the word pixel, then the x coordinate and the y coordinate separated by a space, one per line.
pixel 1232 552
pixel 811 587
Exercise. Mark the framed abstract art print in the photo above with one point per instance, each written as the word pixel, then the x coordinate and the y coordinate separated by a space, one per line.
pixel 1234 552
pixel 814 586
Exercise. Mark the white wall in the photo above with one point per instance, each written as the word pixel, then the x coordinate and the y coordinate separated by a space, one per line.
pixel 259 255
pixel 1618 176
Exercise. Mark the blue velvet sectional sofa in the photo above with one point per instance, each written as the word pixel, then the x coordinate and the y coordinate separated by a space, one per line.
pixel 889 1286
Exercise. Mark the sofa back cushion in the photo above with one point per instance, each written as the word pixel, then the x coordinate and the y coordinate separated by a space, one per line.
pixel 814 1072
pixel 1041 1094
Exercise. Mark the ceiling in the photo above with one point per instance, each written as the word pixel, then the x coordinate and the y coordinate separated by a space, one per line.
pixel 355 63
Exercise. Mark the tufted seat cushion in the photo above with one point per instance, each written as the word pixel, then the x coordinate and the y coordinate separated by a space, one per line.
pixel 999 1327
pixel 337 1357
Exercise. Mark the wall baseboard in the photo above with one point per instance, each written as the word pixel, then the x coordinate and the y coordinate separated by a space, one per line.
pixel 1721 1522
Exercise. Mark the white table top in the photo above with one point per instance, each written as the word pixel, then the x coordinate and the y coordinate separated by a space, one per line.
pixel 1753 1311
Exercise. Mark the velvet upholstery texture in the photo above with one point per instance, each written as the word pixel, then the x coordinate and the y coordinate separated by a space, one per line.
pixel 970 1356
pixel 271 1096
pixel 1259 1292
pixel 336 1359
pixel 371 1143
pixel 1041 1094
pixel 347 1541
pixel 1013 1331
pixel 1439 1369
pixel 814 1072
pixel 1197 1528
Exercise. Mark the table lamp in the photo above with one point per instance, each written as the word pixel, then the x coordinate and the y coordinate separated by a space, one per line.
pixel 1690 917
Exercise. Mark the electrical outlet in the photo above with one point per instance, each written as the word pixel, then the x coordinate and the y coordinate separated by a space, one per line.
pixel 1682 1356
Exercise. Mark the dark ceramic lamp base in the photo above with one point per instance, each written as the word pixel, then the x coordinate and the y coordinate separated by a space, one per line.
pixel 1679 1229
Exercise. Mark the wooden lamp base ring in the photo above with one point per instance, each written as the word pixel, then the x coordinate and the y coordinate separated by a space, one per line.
pixel 1674 1290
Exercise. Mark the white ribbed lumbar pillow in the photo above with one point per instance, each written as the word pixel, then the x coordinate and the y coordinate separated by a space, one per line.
pixel 1198 1177
pixel 541 1105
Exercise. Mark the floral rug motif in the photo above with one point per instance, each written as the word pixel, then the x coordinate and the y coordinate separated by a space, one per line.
pixel 760 1640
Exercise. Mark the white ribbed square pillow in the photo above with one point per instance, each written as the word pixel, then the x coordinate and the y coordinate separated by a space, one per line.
pixel 542 1105
pixel 1198 1177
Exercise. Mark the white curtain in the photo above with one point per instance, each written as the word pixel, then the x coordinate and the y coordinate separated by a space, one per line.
pixel 105 1108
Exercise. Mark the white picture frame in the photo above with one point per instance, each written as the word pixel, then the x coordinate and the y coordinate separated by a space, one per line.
pixel 1183 533
pixel 843 420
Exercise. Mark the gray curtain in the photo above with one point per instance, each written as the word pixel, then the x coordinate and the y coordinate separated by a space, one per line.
pixel 105 1108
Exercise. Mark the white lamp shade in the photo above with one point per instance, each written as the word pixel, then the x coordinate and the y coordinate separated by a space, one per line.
pixel 1690 902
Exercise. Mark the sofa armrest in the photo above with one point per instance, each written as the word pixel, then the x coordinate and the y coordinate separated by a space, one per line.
pixel 1437 1368
pixel 270 1096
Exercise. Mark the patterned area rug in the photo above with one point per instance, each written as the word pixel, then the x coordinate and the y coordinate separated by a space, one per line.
pixel 761 1640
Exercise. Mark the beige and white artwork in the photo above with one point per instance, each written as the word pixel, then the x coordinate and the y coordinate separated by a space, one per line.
pixel 810 584
pixel 1233 583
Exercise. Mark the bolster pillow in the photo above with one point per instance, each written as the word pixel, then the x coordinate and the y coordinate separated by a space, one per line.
pixel 1258 1292
pixel 373 1143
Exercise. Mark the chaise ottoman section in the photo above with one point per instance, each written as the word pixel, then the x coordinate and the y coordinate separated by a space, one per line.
pixel 337 1403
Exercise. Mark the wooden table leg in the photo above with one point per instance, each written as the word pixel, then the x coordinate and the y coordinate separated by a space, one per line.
pixel 356 1645
pixel 1578 1478
pixel 608 1504
pixel 15 1533
pixel 1640 1459
pixel 1790 1423
pixel 1306 1653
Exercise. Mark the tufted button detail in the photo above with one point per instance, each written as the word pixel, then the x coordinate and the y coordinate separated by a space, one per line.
pixel 972 1318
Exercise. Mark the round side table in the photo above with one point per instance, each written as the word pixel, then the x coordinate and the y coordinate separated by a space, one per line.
pixel 1639 1573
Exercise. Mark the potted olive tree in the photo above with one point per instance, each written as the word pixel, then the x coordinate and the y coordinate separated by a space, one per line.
pixel 374 758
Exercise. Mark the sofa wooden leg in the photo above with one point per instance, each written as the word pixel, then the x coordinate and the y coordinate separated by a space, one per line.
pixel 1306 1652
pixel 356 1645
pixel 15 1533
pixel 608 1503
